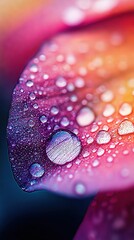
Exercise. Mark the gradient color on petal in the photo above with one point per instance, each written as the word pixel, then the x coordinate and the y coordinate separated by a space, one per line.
pixel 23 37
pixel 110 216
pixel 76 91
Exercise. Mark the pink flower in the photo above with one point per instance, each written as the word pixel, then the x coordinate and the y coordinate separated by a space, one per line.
pixel 71 125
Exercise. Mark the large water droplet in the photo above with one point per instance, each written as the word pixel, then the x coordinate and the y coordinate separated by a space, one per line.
pixel 103 137
pixel 61 82
pixel 62 147
pixel 126 127
pixel 36 170
pixel 85 116
pixel 73 16
pixel 109 110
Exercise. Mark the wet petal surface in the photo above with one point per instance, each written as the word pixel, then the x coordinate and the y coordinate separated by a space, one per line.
pixel 110 216
pixel 71 122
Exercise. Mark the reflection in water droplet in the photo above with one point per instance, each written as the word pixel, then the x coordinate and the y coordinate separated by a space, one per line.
pixel 34 68
pixel 126 127
pixel 62 147
pixel 103 137
pixel 85 117
pixel 54 110
pixel 36 170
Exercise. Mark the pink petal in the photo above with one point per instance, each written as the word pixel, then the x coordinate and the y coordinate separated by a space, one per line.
pixel 20 44
pixel 110 216
pixel 72 112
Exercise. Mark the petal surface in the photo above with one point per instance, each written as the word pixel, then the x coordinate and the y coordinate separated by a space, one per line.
pixel 110 216
pixel 71 125
pixel 30 26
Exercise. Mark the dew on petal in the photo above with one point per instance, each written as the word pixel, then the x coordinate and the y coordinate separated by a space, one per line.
pixel 34 68
pixel 29 83
pixel 107 96
pixel 103 137
pixel 36 170
pixel 125 109
pixel 80 188
pixel 54 110
pixel 73 16
pixel 62 147
pixel 43 119
pixel 109 110
pixel 85 117
pixel 126 127
pixel 61 82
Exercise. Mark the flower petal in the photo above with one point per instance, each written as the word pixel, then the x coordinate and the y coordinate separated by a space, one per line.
pixel 110 216
pixel 22 36
pixel 71 125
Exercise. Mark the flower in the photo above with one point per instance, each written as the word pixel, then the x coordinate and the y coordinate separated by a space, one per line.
pixel 71 128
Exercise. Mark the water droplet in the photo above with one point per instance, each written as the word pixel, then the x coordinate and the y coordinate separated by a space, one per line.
pixel 79 82
pixel 85 117
pixel 73 16
pixel 45 76
pixel 36 170
pixel 43 119
pixel 32 96
pixel 31 123
pixel 61 82
pixel 125 109
pixel 54 110
pixel 64 122
pixel 100 152
pixel 109 110
pixel 103 137
pixel 109 159
pixel 126 127
pixel 90 140
pixel 95 163
pixel 80 188
pixel 29 83
pixel 70 59
pixel 107 96
pixel 34 68
pixel 101 6
pixel 62 147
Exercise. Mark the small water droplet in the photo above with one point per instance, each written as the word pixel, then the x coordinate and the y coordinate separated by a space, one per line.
pixel 107 96
pixel 61 82
pixel 85 117
pixel 62 147
pixel 54 110
pixel 95 163
pixel 100 152
pixel 32 96
pixel 109 110
pixel 65 122
pixel 126 127
pixel 103 137
pixel 73 16
pixel 34 68
pixel 109 159
pixel 125 109
pixel 36 170
pixel 45 76
pixel 31 123
pixel 90 140
pixel 29 83
pixel 80 188
pixel 79 82
pixel 43 119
